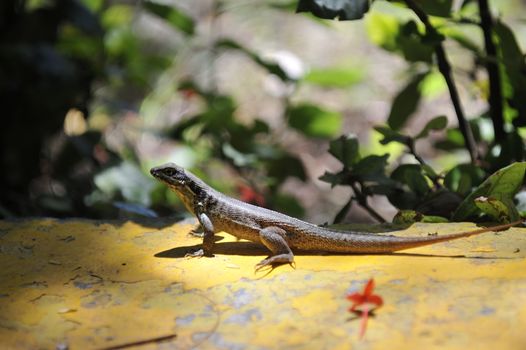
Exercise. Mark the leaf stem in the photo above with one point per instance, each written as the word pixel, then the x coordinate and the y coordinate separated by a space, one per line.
pixel 495 90
pixel 412 151
pixel 361 198
pixel 445 69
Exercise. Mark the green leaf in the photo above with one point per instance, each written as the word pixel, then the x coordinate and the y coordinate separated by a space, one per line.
pixel 433 85
pixel 439 8
pixel 462 40
pixel 407 217
pixel 335 179
pixel 502 185
pixel 405 103
pixel 314 121
pixel 176 18
pixel 383 30
pixel 117 15
pixel 496 209
pixel 407 39
pixel 345 149
pixel 414 45
pixel 391 136
pixel 342 10
pixel 437 123
pixel 369 167
pixel 412 176
pixel 125 180
pixel 335 77
pixel 462 178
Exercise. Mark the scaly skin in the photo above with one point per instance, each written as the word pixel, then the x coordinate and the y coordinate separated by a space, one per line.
pixel 280 233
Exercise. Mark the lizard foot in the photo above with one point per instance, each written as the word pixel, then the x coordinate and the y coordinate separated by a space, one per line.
pixel 197 232
pixel 197 254
pixel 275 260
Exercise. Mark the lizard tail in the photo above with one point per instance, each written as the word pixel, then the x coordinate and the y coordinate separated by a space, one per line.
pixel 413 242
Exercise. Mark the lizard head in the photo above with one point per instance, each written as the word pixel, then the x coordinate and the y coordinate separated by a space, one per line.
pixel 184 183
pixel 172 175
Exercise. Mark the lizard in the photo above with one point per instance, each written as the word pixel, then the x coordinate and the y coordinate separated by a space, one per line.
pixel 278 232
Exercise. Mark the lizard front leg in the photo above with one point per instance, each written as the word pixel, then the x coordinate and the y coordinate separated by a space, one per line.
pixel 274 239
pixel 208 233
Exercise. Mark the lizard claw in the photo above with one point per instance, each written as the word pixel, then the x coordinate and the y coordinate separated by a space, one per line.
pixel 197 254
pixel 272 261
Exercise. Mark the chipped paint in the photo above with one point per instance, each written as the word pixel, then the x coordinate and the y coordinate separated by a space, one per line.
pixel 94 284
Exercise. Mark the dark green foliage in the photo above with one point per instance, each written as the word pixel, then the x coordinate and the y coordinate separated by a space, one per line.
pixel 342 10
pixel 55 54
pixel 43 74
pixel 405 103
pixel 417 188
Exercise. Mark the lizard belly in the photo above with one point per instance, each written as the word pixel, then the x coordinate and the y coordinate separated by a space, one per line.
pixel 237 228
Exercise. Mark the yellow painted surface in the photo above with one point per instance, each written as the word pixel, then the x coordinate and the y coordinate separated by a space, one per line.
pixel 92 284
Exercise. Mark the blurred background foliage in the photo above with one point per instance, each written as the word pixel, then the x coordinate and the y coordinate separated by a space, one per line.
pixel 248 94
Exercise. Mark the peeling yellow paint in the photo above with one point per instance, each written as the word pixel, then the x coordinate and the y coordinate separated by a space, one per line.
pixel 94 284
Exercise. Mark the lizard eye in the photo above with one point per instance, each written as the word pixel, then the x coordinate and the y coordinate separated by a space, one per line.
pixel 169 172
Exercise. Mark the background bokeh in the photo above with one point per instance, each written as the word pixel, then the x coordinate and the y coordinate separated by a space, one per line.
pixel 247 94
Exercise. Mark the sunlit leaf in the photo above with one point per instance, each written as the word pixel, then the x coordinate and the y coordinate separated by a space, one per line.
pixel 406 217
pixel 117 15
pixel 335 77
pixel 383 30
pixel 502 185
pixel 314 121
pixel 496 209
pixel 433 85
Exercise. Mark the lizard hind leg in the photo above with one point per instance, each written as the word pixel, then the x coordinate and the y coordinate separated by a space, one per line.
pixel 274 239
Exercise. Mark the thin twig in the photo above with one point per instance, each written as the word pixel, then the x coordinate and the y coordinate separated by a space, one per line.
pixel 445 69
pixel 141 342
pixel 495 90
pixel 362 201
pixel 412 150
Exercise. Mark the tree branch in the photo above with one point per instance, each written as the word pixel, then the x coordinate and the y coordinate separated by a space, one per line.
pixel 495 90
pixel 445 69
